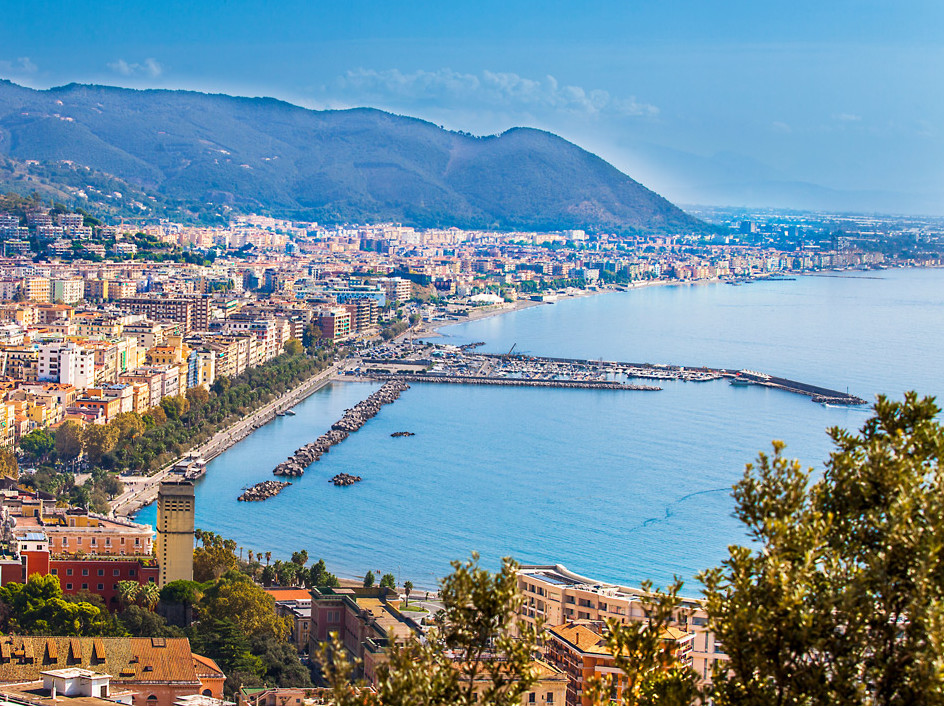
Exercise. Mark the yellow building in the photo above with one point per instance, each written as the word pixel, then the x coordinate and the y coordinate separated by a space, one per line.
pixel 175 525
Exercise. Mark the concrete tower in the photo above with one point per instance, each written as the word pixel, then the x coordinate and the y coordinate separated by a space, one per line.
pixel 175 511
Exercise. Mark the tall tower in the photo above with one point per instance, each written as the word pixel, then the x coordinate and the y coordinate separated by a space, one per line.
pixel 175 512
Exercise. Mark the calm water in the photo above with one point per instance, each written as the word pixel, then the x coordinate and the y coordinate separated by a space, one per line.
pixel 619 486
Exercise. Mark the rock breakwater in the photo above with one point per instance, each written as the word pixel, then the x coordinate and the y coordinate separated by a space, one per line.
pixel 263 490
pixel 344 480
pixel 353 419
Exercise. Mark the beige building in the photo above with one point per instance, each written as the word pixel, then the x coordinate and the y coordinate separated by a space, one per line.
pixel 175 525
pixel 76 531
pixel 557 595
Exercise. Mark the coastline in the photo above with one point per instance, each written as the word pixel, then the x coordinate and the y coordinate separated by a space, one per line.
pixel 141 491
pixel 432 329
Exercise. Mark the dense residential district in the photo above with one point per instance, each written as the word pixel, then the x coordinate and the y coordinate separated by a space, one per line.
pixel 128 349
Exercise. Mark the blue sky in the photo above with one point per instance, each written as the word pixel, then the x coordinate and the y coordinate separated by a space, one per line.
pixel 816 104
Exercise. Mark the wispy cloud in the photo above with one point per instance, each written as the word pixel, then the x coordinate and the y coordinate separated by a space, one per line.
pixel 505 90
pixel 21 66
pixel 848 118
pixel 149 67
pixel 778 126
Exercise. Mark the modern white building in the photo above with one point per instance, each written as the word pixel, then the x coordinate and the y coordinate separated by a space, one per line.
pixel 66 363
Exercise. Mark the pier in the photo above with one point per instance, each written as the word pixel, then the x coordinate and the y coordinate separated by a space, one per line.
pixel 499 381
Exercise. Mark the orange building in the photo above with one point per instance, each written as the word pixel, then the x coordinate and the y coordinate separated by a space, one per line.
pixel 579 649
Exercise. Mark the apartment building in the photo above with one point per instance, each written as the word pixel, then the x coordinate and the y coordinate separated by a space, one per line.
pixel 579 650
pixel 69 291
pixel 65 363
pixel 334 323
pixel 193 313
pixel 558 595
pixel 396 289
pixel 36 289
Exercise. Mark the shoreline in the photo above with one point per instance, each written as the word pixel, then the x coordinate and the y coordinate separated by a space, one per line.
pixel 143 490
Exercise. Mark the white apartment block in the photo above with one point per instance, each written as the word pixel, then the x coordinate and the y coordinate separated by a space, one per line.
pixel 66 363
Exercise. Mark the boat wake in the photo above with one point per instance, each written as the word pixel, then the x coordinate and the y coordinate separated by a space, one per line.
pixel 669 510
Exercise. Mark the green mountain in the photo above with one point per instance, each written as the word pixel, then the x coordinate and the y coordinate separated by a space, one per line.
pixel 360 165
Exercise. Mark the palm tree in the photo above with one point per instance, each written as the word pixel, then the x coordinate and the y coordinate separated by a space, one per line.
pixel 407 588
pixel 149 595
pixel 127 592
pixel 268 555
pixel 250 556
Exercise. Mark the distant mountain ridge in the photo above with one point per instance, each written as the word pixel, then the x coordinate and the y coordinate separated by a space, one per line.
pixel 359 165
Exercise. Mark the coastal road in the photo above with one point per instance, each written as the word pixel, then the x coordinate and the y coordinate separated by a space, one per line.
pixel 140 491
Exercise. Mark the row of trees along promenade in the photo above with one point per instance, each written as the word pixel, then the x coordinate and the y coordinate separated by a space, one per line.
pixel 151 442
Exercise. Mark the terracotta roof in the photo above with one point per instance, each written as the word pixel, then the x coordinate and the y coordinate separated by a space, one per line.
pixel 126 659
pixel 582 636
pixel 281 594
pixel 205 667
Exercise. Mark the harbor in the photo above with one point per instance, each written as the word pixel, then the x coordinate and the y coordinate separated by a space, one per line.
pixel 438 363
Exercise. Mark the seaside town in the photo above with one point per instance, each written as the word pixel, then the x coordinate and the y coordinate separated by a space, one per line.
pixel 132 353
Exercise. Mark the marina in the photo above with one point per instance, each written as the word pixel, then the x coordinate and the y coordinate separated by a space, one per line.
pixel 434 363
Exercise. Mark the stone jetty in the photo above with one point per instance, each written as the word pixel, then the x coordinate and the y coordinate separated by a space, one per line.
pixel 402 434
pixel 263 490
pixel 352 421
pixel 344 480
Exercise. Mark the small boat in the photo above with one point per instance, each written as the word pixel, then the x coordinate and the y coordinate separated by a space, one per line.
pixel 280 414
pixel 289 412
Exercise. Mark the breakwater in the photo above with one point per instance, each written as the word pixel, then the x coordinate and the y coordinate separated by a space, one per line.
pixel 500 381
pixel 352 421
pixel 263 490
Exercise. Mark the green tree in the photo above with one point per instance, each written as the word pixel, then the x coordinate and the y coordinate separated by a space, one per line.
pixel 839 599
pixel 221 639
pixel 216 556
pixel 235 597
pixel 388 581
pixel 407 589
pixel 99 440
pixel 319 576
pixel 369 579
pixel 198 396
pixel 38 607
pixel 478 652
pixel 129 425
pixel 293 347
pixel 139 622
pixel 39 444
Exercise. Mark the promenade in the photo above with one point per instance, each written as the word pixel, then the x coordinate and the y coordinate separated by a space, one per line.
pixel 141 491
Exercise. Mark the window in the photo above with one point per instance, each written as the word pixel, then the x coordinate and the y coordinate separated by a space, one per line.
pixel 115 572
pixel 101 586
pixel 137 542
pixel 132 573
pixel 85 586
pixel 550 697
pixel 101 571
pixel 94 541
pixel 68 571
pixel 68 586
pixel 54 571
pixel 84 571
pixel 530 698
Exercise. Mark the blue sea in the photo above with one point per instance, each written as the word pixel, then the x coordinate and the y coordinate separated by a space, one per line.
pixel 617 485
